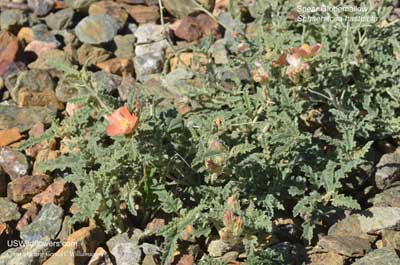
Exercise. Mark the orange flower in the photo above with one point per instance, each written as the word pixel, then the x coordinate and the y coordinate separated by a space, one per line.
pixel 295 58
pixel 307 51
pixel 121 122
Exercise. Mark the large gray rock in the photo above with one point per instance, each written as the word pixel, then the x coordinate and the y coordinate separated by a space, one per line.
pixel 348 246
pixel 146 33
pixel 97 29
pixel 61 19
pixel 367 223
pixel 35 87
pixel 41 32
pixel 8 211
pixel 125 249
pixel 382 256
pixel 24 118
pixel 12 20
pixel 388 170
pixel 150 50
pixel 387 198
pixel 377 218
pixel 46 224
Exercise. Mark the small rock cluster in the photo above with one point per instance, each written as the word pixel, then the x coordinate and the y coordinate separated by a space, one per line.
pixel 372 235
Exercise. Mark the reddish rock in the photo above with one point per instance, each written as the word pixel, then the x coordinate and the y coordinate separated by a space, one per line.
pixel 57 193
pixel 23 189
pixel 193 28
pixel 119 66
pixel 28 216
pixel 209 26
pixel 86 240
pixel 9 136
pixel 8 50
pixel 187 29
pixel 143 14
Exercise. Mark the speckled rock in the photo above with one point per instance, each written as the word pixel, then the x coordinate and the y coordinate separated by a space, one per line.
pixel 124 249
pixel 150 50
pixel 14 163
pixel 146 33
pixel 46 224
pixel 8 211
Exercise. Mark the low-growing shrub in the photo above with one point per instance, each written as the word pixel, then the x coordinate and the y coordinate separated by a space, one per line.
pixel 285 127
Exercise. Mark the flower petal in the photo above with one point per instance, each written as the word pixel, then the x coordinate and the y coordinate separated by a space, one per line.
pixel 294 60
pixel 281 61
pixel 114 130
